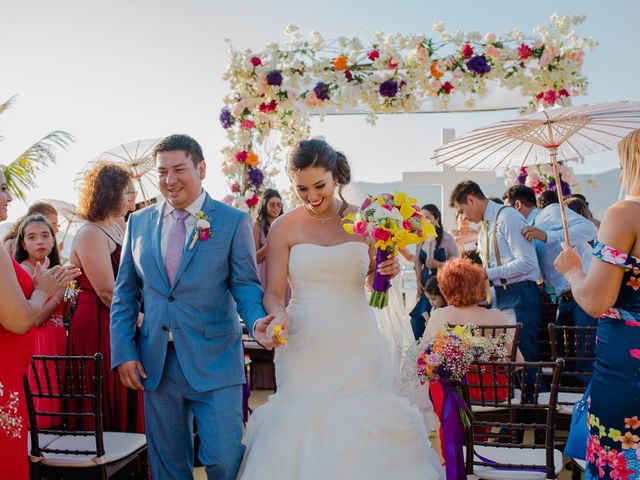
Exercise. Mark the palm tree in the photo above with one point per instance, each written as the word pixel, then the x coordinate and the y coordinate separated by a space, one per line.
pixel 20 175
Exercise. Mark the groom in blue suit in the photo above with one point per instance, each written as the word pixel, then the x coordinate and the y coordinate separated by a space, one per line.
pixel 195 280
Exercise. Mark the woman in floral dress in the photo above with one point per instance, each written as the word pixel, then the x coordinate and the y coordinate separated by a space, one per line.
pixel 611 290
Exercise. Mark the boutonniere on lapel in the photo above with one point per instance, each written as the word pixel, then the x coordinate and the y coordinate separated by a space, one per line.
pixel 202 230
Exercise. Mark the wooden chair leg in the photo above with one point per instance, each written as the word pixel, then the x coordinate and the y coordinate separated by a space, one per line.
pixel 576 471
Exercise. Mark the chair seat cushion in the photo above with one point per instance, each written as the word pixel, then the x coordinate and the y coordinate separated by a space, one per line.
pixel 44 440
pixel 491 408
pixel 117 446
pixel 524 456
pixel 565 401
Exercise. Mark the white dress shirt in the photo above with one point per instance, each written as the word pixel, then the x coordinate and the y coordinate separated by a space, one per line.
pixel 518 258
pixel 581 232
pixel 189 222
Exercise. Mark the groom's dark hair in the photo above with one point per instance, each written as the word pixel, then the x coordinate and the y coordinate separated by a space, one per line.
pixel 180 142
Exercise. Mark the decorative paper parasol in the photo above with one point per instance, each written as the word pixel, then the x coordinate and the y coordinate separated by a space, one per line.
pixel 546 136
pixel 67 211
pixel 137 158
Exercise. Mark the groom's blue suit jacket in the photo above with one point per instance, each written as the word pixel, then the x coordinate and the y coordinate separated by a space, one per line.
pixel 215 282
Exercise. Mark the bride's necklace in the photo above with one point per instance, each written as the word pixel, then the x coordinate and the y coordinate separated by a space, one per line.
pixel 321 220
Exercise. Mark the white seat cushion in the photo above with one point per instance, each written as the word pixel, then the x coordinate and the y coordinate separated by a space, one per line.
pixel 526 456
pixel 564 398
pixel 44 440
pixel 581 463
pixel 117 446
pixel 490 408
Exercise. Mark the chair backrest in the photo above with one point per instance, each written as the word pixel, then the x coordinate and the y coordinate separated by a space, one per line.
pixel 538 417
pixel 67 388
pixel 511 331
pixel 576 345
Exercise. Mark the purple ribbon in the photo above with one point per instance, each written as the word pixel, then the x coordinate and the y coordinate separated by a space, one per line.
pixel 381 283
pixel 453 432
pixel 493 462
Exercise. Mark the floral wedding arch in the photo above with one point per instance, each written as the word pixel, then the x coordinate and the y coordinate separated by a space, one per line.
pixel 277 90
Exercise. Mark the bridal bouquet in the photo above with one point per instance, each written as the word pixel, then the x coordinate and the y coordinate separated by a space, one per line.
pixel 393 221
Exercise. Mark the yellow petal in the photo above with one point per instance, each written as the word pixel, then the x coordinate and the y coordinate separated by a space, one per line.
pixel 348 227
pixel 399 198
pixel 407 211
pixel 350 217
pixel 458 330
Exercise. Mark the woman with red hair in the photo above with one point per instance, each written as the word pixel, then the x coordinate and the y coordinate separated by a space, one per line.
pixel 463 285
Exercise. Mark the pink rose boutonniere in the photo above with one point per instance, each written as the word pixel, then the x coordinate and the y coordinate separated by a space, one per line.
pixel 202 230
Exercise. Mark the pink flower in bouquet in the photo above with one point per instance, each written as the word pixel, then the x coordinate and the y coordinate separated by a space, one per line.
pixel 360 228
pixel 406 224
pixel 492 52
pixel 381 234
pixel 467 51
pixel 386 206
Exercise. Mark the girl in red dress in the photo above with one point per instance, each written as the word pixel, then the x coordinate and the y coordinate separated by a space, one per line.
pixel 17 316
pixel 35 242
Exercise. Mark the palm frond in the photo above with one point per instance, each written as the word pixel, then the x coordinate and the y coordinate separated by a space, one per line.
pixel 6 105
pixel 20 175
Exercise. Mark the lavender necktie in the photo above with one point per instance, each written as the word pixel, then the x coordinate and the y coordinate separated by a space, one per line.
pixel 175 245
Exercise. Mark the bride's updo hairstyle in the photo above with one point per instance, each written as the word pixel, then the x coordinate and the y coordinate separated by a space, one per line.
pixel 318 153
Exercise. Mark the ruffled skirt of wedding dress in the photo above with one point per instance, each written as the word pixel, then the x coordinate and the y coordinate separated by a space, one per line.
pixel 333 416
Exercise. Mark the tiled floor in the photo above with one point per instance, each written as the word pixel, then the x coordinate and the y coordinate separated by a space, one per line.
pixel 258 397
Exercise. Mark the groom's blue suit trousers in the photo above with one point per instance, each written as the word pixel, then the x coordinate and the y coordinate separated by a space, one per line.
pixel 169 413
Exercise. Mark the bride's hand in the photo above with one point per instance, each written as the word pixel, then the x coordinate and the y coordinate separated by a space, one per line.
pixel 279 329
pixel 263 330
pixel 391 266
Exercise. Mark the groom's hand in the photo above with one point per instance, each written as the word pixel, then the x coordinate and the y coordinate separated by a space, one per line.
pixel 261 332
pixel 129 371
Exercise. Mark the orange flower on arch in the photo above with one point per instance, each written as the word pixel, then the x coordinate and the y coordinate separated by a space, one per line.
pixel 340 63
pixel 252 160
pixel 632 422
pixel 434 70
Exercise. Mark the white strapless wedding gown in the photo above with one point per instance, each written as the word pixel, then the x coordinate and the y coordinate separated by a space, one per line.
pixel 333 416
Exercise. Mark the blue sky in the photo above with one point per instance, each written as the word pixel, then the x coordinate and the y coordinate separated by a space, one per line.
pixel 114 71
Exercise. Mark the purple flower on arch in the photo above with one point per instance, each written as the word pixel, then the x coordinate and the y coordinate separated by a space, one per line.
pixel 566 189
pixel 322 90
pixel 226 119
pixel 274 78
pixel 255 178
pixel 389 88
pixel 479 65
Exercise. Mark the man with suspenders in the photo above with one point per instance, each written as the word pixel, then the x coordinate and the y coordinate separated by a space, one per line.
pixel 508 258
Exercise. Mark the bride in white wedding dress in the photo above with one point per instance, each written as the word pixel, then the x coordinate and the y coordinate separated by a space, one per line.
pixel 334 416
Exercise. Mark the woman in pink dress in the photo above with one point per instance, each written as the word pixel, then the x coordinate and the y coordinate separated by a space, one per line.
pixel 270 208
pixel 96 250
pixel 36 242
pixel 22 301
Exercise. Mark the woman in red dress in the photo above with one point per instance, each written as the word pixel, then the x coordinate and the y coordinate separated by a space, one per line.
pixel 96 250
pixel 34 243
pixel 17 316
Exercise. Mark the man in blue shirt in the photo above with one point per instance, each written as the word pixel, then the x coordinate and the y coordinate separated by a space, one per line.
pixel 546 232
pixel 509 260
